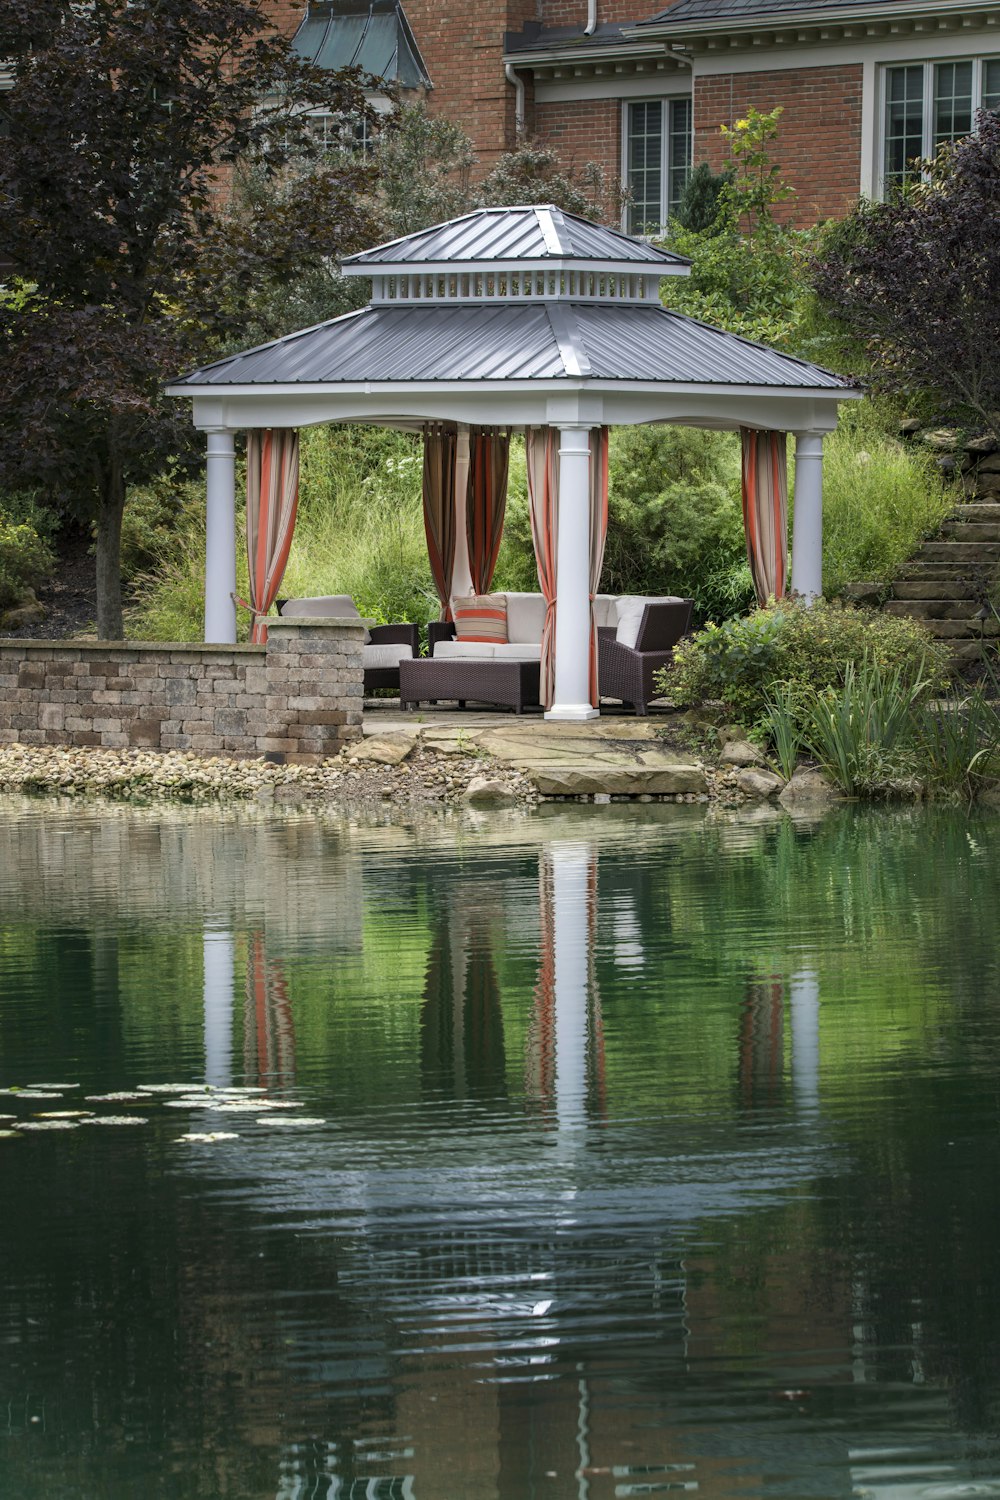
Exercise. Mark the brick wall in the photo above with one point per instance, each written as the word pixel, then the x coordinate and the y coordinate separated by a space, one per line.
pixel 298 699
pixel 582 131
pixel 819 137
pixel 574 12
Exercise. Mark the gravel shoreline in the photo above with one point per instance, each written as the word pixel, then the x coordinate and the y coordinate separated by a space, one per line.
pixel 428 776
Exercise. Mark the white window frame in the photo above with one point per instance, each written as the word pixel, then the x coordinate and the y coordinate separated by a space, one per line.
pixel 666 100
pixel 929 64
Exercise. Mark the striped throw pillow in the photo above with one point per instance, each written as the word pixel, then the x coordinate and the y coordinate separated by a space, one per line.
pixel 481 617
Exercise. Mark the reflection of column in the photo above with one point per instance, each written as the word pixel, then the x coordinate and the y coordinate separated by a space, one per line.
pixel 804 1008
pixel 218 1007
pixel 569 910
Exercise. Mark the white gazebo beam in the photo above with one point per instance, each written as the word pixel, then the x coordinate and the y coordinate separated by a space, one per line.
pixel 807 524
pixel 220 538
pixel 572 676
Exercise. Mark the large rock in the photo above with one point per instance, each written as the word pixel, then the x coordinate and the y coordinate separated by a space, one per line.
pixel 383 749
pixel 741 753
pixel 945 439
pixel 632 781
pixel 759 784
pixel 486 791
pixel 809 788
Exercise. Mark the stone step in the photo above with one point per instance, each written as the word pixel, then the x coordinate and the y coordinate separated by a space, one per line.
pixel 933 609
pixel 957 630
pixel 977 510
pixel 961 552
pixel 922 572
pixel 971 531
pixel 950 588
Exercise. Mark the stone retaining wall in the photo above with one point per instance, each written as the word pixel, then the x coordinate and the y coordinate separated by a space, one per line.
pixel 299 698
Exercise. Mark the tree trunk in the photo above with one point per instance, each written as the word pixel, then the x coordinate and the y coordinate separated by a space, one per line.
pixel 110 623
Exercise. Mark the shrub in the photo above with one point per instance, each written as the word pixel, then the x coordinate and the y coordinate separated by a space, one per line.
pixel 25 560
pixel 738 662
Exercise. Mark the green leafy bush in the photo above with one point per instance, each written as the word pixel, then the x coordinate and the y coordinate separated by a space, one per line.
pixel 25 560
pixel 738 663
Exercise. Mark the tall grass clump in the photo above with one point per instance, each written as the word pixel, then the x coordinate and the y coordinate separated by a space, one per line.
pixel 881 497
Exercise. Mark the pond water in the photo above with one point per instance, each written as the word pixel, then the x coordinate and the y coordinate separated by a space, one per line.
pixel 652 1152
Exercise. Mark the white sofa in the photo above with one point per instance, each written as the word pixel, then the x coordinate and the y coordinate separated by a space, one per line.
pixel 526 619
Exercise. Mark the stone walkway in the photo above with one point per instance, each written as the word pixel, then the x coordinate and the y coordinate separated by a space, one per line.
pixel 615 755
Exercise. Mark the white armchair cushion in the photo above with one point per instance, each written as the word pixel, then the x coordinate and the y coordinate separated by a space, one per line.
pixel 629 610
pixel 385 654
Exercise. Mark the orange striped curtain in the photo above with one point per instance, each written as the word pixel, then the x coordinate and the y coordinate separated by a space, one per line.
pixel 542 448
pixel 598 537
pixel 489 458
pixel 765 510
pixel 272 503
pixel 440 445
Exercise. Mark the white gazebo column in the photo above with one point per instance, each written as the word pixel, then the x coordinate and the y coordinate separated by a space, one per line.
pixel 807 533
pixel 572 685
pixel 461 578
pixel 570 963
pixel 220 538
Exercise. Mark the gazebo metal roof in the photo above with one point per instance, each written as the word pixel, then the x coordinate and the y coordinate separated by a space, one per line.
pixel 544 341
pixel 538 233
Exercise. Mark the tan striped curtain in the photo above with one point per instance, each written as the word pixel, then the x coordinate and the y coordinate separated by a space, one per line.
pixel 440 444
pixel 272 503
pixel 489 460
pixel 542 448
pixel 598 537
pixel 765 510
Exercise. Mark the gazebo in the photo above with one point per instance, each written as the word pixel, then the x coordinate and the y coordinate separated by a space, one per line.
pixel 507 318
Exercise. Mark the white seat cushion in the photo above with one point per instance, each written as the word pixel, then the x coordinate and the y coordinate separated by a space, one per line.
pixel 386 654
pixel 519 651
pixel 604 609
pixel 476 650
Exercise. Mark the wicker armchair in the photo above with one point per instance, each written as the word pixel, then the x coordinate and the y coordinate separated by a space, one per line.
pixel 626 672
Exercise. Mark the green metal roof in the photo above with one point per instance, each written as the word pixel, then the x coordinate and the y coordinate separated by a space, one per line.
pixel 375 37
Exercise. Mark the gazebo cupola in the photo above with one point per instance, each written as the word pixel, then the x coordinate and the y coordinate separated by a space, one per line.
pixel 516 255
pixel 525 317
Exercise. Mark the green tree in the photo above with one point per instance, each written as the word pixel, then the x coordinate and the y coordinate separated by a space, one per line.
pixel 913 282
pixel 121 126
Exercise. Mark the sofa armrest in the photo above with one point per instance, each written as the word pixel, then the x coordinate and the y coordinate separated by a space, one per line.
pixel 396 635
pixel 439 630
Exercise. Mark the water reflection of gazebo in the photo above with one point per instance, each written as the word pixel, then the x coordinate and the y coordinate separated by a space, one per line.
pixel 514 318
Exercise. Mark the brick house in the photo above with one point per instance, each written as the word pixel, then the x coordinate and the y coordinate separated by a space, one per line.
pixel 866 85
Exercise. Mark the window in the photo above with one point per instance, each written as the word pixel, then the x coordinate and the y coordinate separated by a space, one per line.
pixel 927 104
pixel 336 132
pixel 657 160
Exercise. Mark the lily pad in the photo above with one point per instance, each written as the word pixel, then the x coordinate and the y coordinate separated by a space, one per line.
pixel 8 1135
pixel 53 1085
pixel 174 1088
pixel 63 1114
pixel 247 1106
pixel 210 1135
pixel 286 1120
pixel 38 1094
pixel 115 1120
pixel 50 1125
pixel 123 1096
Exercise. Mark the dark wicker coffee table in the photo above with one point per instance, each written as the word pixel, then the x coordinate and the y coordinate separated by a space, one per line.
pixel 512 684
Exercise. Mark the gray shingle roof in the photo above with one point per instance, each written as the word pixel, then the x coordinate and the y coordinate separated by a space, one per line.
pixel 539 232
pixel 544 341
pixel 374 36
pixel 749 10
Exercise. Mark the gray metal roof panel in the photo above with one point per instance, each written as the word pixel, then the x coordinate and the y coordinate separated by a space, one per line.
pixel 512 234
pixel 480 343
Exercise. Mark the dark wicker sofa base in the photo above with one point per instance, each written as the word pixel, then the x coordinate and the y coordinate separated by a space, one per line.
pixel 511 684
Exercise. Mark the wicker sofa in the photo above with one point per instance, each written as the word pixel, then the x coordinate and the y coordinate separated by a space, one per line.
pixel 636 637
pixel 385 645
